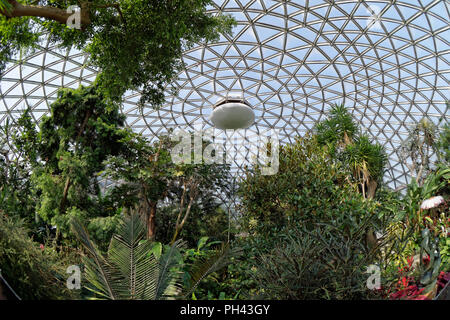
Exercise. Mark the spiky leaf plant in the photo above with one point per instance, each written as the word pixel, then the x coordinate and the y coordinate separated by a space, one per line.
pixel 134 268
pixel 338 129
pixel 367 160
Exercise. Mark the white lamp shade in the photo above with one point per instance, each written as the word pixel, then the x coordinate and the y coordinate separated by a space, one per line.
pixel 232 115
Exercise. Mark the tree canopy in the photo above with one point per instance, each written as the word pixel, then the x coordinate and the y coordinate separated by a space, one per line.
pixel 136 44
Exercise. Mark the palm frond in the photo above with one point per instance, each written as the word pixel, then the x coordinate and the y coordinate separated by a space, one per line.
pixel 130 255
pixel 170 273
pixel 98 271
pixel 213 262
pixel 131 270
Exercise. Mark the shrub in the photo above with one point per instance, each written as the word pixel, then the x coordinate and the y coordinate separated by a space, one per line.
pixel 34 272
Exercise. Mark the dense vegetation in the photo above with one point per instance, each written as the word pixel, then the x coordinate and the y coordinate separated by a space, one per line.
pixel 310 231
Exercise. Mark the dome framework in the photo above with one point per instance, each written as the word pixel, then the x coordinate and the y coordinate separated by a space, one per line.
pixel 387 61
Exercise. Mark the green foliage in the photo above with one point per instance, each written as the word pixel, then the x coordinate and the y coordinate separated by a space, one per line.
pixel 155 33
pixel 152 33
pixel 338 128
pixel 72 144
pixel 206 262
pixel 444 144
pixel 138 268
pixel 430 271
pixel 208 220
pixel 102 229
pixel 149 177
pixel 314 265
pixel 16 37
pixel 17 156
pixel 34 273
pixel 367 162
pixel 313 232
pixel 327 257
pixel 366 158
pixel 5 5
pixel 308 184
pixel 59 167
pixel 417 149
pixel 435 184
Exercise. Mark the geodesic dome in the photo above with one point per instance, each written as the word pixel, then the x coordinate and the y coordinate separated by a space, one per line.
pixel 387 61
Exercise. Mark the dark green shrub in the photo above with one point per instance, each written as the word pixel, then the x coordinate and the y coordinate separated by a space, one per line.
pixel 34 273
pixel 327 262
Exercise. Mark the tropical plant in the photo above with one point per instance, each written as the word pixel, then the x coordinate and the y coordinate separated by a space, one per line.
pixel 436 183
pixel 134 268
pixel 327 259
pixel 367 161
pixel 204 265
pixel 5 5
pixel 139 268
pixel 338 129
pixel 444 144
pixel 430 269
pixel 73 141
pixel 208 219
pixel 150 178
pixel 17 158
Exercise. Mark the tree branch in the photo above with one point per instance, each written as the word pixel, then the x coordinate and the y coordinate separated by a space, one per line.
pixel 51 13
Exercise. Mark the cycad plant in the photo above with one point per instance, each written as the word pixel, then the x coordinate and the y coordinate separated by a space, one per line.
pixel 134 268
pixel 138 268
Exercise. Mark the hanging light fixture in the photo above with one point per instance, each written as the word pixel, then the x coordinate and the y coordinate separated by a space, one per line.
pixel 232 112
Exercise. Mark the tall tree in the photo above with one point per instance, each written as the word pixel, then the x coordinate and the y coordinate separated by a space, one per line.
pixel 73 142
pixel 149 176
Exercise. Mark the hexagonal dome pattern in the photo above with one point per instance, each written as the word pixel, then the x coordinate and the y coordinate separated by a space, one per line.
pixel 387 61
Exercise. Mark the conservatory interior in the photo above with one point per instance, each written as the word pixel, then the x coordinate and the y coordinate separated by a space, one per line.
pixel 224 149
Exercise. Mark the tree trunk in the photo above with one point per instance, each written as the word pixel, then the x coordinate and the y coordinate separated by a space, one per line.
pixel 371 188
pixel 179 226
pixel 68 181
pixel 52 13
pixel 151 217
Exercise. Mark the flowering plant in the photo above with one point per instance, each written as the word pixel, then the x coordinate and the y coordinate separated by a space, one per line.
pixel 407 287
